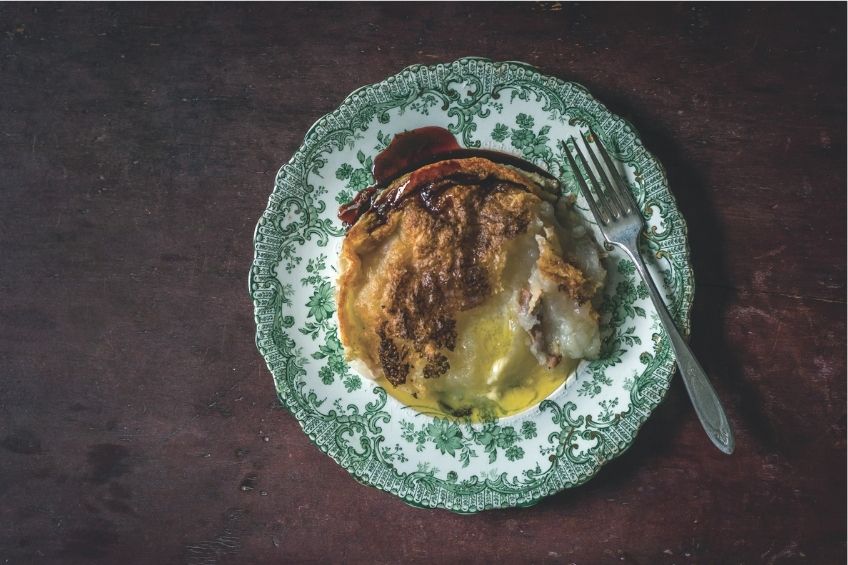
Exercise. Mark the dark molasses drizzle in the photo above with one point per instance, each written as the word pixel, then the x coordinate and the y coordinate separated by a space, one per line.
pixel 412 150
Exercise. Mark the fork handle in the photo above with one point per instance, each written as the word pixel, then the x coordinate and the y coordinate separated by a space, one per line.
pixel 703 395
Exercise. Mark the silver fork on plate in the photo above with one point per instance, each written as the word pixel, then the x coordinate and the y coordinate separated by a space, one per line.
pixel 620 221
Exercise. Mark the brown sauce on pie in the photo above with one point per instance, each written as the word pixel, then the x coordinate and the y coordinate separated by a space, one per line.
pixel 410 151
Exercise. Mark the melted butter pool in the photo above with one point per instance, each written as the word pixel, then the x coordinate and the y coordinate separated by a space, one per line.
pixel 493 372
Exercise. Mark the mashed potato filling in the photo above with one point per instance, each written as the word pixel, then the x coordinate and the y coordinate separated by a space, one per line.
pixel 467 290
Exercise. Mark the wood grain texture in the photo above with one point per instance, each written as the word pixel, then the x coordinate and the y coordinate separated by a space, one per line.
pixel 138 145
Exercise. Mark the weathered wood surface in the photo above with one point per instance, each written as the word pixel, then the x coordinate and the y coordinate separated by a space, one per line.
pixel 138 145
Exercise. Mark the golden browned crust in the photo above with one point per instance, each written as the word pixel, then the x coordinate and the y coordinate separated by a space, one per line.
pixel 567 277
pixel 408 269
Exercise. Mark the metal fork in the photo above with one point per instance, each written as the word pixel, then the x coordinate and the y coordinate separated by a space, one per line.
pixel 617 215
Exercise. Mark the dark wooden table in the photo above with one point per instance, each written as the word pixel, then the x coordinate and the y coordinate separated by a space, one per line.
pixel 138 144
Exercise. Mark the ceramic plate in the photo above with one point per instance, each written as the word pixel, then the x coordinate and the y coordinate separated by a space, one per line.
pixel 432 461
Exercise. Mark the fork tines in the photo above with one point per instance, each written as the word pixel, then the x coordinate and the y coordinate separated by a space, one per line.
pixel 612 198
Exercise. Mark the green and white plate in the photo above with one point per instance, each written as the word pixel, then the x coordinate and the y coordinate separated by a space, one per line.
pixel 437 462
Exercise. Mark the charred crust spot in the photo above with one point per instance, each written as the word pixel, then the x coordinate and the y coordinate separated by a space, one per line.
pixel 392 359
pixel 499 225
pixel 516 228
pixel 427 295
pixel 443 333
pixel 475 285
pixel 417 314
pixel 436 367
pixel 407 324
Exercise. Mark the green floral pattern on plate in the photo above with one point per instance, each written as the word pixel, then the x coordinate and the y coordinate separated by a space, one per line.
pixel 426 459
